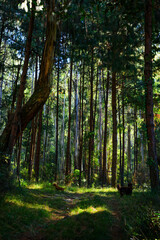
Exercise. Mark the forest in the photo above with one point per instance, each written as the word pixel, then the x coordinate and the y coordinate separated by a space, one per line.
pixel 79 119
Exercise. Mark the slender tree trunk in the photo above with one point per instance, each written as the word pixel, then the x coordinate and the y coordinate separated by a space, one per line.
pixel 81 125
pixel 129 147
pixel 123 122
pixel 34 131
pixel 105 134
pixel 45 139
pixel 100 124
pixel 68 164
pixel 114 137
pixel 57 125
pixel 19 157
pixel 120 138
pixel 38 146
pixel 135 141
pixel 91 134
pixel 152 155
pixel 63 131
pixel 77 122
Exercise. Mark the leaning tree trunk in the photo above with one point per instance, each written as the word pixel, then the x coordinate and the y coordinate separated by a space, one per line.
pixel 36 101
pixel 152 156
pixel 16 119
pixel 42 91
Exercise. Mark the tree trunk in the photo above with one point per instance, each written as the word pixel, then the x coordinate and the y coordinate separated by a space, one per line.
pixel 152 155
pixel 41 93
pixel 77 122
pixel 57 126
pixel 19 157
pixel 105 134
pixel 100 124
pixel 16 120
pixel 38 147
pixel 123 135
pixel 68 164
pixel 135 141
pixel 129 147
pixel 81 125
pixel 120 138
pixel 91 134
pixel 114 136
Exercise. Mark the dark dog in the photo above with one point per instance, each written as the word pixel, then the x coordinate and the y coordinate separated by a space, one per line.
pixel 125 190
pixel 58 187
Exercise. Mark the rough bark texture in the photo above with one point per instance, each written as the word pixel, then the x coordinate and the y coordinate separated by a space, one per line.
pixel 152 161
pixel 41 93
pixel 114 137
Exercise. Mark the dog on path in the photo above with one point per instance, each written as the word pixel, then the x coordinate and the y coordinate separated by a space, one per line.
pixel 58 187
pixel 125 190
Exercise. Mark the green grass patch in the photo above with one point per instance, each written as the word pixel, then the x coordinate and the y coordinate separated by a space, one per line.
pixel 78 213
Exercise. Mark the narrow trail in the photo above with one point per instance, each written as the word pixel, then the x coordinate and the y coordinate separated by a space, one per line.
pixel 117 232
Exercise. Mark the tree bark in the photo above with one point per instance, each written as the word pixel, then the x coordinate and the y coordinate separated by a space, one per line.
pixel 41 93
pixel 114 136
pixel 68 164
pixel 123 135
pixel 38 147
pixel 105 134
pixel 57 126
pixel 152 155
pixel 81 125
pixel 16 120
pixel 91 134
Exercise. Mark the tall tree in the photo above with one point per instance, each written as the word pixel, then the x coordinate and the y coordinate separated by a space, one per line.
pixel 91 121
pixel 152 161
pixel 40 95
pixel 68 157
pixel 57 125
pixel 105 134
pixel 114 136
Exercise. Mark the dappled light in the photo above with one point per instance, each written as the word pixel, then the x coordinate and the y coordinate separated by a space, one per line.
pixel 79 120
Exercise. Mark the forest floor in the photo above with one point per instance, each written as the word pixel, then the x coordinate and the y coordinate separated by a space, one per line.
pixel 39 212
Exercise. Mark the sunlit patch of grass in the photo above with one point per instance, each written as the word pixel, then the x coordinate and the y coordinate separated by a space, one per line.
pixel 83 190
pixel 89 209
pixel 20 203
pixel 35 186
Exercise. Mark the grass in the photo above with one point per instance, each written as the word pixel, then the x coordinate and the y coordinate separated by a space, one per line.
pixel 37 211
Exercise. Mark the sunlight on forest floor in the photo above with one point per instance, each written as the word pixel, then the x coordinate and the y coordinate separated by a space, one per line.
pixel 77 213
